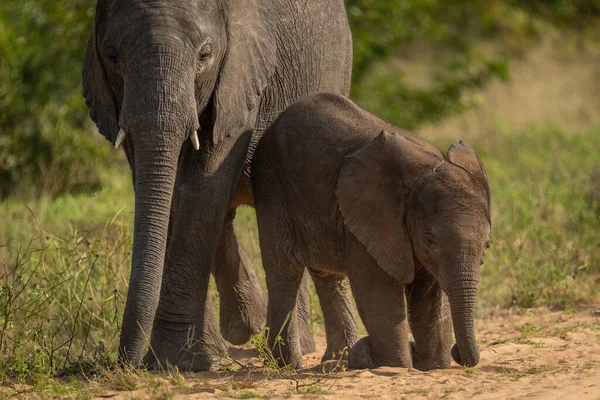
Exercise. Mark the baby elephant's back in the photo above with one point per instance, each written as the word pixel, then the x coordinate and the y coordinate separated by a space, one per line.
pixel 317 132
pixel 297 163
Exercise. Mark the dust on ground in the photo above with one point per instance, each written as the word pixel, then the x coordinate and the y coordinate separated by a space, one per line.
pixel 534 354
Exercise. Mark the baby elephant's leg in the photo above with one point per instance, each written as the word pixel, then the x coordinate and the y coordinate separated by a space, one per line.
pixel 381 305
pixel 307 343
pixel 283 283
pixel 430 322
pixel 284 277
pixel 340 327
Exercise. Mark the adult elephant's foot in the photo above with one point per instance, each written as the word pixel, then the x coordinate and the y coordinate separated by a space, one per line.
pixel 361 355
pixel 243 301
pixel 239 321
pixel 286 353
pixel 243 307
pixel 184 349
pixel 189 347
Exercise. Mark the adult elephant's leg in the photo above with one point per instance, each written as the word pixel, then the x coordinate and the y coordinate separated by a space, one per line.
pixel 243 301
pixel 183 333
pixel 340 327
pixel 430 321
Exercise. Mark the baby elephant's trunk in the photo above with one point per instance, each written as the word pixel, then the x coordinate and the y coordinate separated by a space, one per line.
pixel 462 296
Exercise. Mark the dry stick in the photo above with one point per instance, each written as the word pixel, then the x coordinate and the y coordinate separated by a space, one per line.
pixel 86 338
pixel 150 347
pixel 277 342
pixel 78 310
pixel 52 348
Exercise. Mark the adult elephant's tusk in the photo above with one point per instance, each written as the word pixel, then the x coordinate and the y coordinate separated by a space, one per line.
pixel 195 141
pixel 120 138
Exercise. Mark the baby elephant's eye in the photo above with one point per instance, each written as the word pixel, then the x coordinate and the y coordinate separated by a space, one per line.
pixel 112 55
pixel 429 240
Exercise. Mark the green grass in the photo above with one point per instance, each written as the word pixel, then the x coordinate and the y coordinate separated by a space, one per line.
pixel 419 392
pixel 516 341
pixel 447 392
pixel 251 395
pixel 64 263
pixel 545 248
pixel 314 390
pixel 516 374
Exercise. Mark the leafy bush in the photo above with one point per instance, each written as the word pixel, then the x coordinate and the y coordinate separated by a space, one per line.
pixel 43 149
pixel 461 46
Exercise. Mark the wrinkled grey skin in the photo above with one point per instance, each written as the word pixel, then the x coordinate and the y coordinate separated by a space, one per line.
pixel 337 194
pixel 161 70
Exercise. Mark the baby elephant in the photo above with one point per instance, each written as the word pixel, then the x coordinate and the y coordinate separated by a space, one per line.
pixel 345 195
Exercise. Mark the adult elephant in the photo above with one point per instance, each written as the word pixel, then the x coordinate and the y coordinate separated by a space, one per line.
pixel 188 87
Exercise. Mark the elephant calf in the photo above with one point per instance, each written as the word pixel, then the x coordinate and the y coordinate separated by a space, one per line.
pixel 345 195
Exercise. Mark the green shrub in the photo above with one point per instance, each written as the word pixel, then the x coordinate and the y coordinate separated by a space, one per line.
pixel 46 140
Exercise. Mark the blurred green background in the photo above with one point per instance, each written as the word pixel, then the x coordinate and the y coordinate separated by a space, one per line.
pixel 517 79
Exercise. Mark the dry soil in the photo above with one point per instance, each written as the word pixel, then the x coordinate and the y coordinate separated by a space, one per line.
pixel 533 354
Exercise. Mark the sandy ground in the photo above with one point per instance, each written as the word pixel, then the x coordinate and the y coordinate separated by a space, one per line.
pixel 534 354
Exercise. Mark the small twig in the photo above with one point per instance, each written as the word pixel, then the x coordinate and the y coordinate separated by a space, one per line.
pixel 86 338
pixel 37 221
pixel 160 366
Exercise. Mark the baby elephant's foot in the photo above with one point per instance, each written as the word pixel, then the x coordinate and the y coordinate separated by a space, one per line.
pixel 429 360
pixel 361 355
pixel 441 360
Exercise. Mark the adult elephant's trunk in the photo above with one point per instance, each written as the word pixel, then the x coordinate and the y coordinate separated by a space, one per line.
pixel 155 172
pixel 159 113
pixel 462 295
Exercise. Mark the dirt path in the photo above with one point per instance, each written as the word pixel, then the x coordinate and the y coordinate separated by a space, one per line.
pixel 537 354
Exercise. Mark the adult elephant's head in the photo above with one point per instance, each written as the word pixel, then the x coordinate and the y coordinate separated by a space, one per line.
pixel 417 207
pixel 152 71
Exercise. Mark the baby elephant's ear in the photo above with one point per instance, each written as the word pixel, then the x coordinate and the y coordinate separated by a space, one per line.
pixel 465 157
pixel 371 200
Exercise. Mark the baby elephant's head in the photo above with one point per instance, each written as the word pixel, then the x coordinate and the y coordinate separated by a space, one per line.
pixel 413 207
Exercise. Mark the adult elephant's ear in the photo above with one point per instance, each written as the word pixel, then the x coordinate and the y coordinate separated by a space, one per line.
pixel 96 88
pixel 248 64
pixel 371 200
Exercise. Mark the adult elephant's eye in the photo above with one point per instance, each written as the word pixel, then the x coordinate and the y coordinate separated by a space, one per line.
pixel 112 55
pixel 429 239
pixel 205 52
